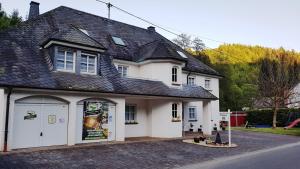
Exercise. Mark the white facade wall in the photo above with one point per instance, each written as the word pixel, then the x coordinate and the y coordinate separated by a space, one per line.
pixel 142 113
pixel 214 107
pixel 2 117
pixel 160 71
pixel 160 119
pixel 72 99
pixel 294 100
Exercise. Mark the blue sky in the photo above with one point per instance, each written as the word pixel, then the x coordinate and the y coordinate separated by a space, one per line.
pixel 271 23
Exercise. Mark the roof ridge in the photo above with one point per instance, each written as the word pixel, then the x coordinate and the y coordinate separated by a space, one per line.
pixel 98 16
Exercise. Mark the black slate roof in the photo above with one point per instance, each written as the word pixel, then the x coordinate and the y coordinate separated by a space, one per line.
pixel 25 64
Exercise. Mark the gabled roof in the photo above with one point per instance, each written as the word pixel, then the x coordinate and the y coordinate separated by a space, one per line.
pixel 158 49
pixel 23 63
pixel 71 34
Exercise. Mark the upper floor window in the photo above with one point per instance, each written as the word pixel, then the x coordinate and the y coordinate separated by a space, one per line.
pixel 123 70
pixel 88 63
pixel 174 74
pixel 65 60
pixel 207 84
pixel 192 113
pixel 174 110
pixel 130 114
pixel 191 80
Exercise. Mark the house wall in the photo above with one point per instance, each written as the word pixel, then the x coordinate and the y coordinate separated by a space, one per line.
pixel 214 107
pixel 72 99
pixel 161 71
pixel 140 129
pixel 160 119
pixel 295 98
pixel 3 96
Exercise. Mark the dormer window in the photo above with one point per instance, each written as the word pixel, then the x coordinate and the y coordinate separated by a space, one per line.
pixel 174 74
pixel 65 60
pixel 88 63
pixel 118 41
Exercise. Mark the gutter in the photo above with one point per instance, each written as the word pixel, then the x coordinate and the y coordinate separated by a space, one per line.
pixel 7 118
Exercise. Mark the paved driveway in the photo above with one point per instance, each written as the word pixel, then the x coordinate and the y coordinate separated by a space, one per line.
pixel 146 155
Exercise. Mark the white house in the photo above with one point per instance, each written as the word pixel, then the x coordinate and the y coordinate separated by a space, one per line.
pixel 294 100
pixel 69 77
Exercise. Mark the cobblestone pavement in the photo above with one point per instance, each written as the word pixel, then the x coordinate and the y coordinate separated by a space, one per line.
pixel 141 155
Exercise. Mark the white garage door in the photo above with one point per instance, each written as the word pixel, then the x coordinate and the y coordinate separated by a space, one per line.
pixel 39 122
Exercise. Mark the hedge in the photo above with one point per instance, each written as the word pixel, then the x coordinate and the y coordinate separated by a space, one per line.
pixel 265 117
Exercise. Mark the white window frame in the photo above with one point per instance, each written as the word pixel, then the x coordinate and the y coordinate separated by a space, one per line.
pixel 208 87
pixel 174 110
pixel 174 74
pixel 87 67
pixel 131 114
pixel 122 70
pixel 195 112
pixel 194 80
pixel 65 60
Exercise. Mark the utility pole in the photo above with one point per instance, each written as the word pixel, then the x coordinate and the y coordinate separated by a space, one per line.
pixel 109 5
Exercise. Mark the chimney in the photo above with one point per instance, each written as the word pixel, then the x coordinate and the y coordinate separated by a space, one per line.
pixel 151 29
pixel 34 10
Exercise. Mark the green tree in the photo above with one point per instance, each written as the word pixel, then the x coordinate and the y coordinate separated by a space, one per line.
pixel 279 74
pixel 7 21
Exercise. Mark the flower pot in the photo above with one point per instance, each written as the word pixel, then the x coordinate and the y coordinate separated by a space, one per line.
pixel 191 130
pixel 196 140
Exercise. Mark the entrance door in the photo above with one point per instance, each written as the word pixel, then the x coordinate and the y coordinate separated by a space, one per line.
pixel 39 122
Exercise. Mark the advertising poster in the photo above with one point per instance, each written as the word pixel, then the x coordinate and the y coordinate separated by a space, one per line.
pixel 95 120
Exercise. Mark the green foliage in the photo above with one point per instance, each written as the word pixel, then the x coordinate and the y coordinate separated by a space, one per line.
pixel 265 117
pixel 7 21
pixel 240 66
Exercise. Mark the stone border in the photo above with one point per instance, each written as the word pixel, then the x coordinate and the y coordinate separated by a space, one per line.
pixel 202 143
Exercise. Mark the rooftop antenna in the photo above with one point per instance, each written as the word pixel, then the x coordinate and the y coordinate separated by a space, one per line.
pixel 109 5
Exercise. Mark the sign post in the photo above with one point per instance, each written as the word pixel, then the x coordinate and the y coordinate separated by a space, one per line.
pixel 229 129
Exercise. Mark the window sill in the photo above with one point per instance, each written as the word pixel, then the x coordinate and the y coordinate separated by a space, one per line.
pixel 131 123
pixel 176 84
pixel 176 120
pixel 193 120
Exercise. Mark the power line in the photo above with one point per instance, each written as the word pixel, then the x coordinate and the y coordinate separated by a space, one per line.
pixel 151 23
pixel 109 5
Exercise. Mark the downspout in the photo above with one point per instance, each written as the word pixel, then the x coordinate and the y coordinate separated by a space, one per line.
pixel 7 118
pixel 187 80
pixel 187 77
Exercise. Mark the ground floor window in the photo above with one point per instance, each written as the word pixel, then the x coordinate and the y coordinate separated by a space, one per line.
pixel 130 114
pixel 192 113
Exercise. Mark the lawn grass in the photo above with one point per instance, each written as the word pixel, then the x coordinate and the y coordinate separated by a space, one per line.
pixel 278 130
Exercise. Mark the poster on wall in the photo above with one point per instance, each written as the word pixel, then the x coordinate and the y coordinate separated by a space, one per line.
pixel 95 120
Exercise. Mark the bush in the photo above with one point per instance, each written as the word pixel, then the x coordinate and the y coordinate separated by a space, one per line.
pixel 265 117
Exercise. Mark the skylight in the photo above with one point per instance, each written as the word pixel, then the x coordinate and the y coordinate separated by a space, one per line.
pixel 182 54
pixel 118 41
pixel 84 31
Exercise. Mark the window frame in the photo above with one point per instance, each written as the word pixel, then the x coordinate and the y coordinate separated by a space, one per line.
pixel 174 110
pixel 194 80
pixel 87 63
pixel 195 112
pixel 131 114
pixel 174 74
pixel 65 60
pixel 209 84
pixel 122 71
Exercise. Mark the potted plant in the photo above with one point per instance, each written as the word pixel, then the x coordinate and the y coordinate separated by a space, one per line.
pixel 200 129
pixel 196 139
pixel 191 127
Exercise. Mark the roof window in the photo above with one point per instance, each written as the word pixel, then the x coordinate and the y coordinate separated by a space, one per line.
pixel 84 31
pixel 181 54
pixel 118 41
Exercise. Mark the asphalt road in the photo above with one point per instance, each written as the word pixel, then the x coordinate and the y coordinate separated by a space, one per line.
pixel 283 157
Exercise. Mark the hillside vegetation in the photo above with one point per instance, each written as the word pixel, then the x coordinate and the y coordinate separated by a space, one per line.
pixel 239 64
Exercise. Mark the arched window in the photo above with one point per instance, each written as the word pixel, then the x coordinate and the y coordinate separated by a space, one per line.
pixel 174 74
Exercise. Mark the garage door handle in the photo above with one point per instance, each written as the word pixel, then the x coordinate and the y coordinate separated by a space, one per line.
pixel 41 134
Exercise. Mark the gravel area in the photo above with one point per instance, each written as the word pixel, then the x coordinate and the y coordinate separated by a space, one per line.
pixel 146 155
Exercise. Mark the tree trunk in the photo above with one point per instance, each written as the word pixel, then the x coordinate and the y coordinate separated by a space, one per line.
pixel 275 116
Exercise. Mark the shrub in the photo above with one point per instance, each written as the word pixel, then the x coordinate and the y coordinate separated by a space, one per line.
pixel 265 117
